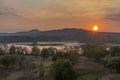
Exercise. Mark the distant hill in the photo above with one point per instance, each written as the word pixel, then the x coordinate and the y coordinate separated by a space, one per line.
pixel 67 34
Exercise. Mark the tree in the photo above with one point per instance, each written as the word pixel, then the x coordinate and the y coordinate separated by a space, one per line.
pixel 106 60
pixel 52 51
pixel 114 63
pixel 35 51
pixel 58 55
pixel 8 61
pixel 45 53
pixel 26 51
pixel 63 70
pixel 115 51
pixel 94 51
pixel 71 55
pixel 12 50
pixel 22 50
pixel 3 49
pixel 19 50
pixel 35 43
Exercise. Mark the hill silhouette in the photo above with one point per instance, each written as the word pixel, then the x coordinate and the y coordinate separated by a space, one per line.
pixel 67 34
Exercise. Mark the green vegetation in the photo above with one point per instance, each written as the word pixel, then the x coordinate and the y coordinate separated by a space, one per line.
pixel 8 61
pixel 71 55
pixel 35 51
pixel 45 53
pixel 111 59
pixel 41 68
pixel 115 64
pixel 115 51
pixel 1 78
pixel 95 51
pixel 63 70
pixel 89 74
pixel 88 77
pixel 13 50
pixel 59 64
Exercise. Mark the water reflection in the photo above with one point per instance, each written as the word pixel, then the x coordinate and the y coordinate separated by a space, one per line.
pixel 57 45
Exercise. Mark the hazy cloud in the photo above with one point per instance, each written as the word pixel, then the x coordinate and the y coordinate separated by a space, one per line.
pixel 114 17
pixel 9 12
pixel 51 14
pixel 6 10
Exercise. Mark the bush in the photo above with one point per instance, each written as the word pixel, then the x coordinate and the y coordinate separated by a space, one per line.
pixel 70 55
pixel 45 53
pixel 94 51
pixel 89 74
pixel 63 70
pixel 35 51
pixel 13 50
pixel 8 61
pixel 115 51
pixel 114 63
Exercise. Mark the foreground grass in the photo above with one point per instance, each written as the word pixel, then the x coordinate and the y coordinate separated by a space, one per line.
pixel 2 78
pixel 89 74
pixel 84 74
pixel 88 77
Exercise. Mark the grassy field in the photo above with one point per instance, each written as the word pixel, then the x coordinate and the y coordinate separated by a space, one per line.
pixel 2 78
pixel 89 74
pixel 87 70
pixel 88 77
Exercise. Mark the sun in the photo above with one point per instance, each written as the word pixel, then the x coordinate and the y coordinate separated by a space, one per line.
pixel 95 28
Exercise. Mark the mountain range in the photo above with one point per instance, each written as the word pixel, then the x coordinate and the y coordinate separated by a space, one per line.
pixel 67 34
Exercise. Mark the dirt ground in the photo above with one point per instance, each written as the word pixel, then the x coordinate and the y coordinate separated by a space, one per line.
pixel 111 77
pixel 85 63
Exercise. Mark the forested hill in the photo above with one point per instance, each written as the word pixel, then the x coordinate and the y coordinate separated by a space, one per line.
pixel 68 34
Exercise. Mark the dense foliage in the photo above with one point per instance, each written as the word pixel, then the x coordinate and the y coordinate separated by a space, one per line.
pixel 63 70
pixel 45 53
pixel 94 51
pixel 58 64
pixel 35 51
pixel 8 61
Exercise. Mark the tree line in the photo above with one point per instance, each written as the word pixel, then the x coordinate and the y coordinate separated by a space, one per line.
pixel 16 58
pixel 62 60
pixel 110 58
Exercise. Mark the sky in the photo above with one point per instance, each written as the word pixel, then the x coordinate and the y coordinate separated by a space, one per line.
pixel 21 15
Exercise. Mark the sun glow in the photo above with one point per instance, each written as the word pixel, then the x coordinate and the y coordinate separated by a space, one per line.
pixel 95 28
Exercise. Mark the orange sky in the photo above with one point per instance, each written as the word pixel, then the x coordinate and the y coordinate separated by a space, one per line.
pixel 18 15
